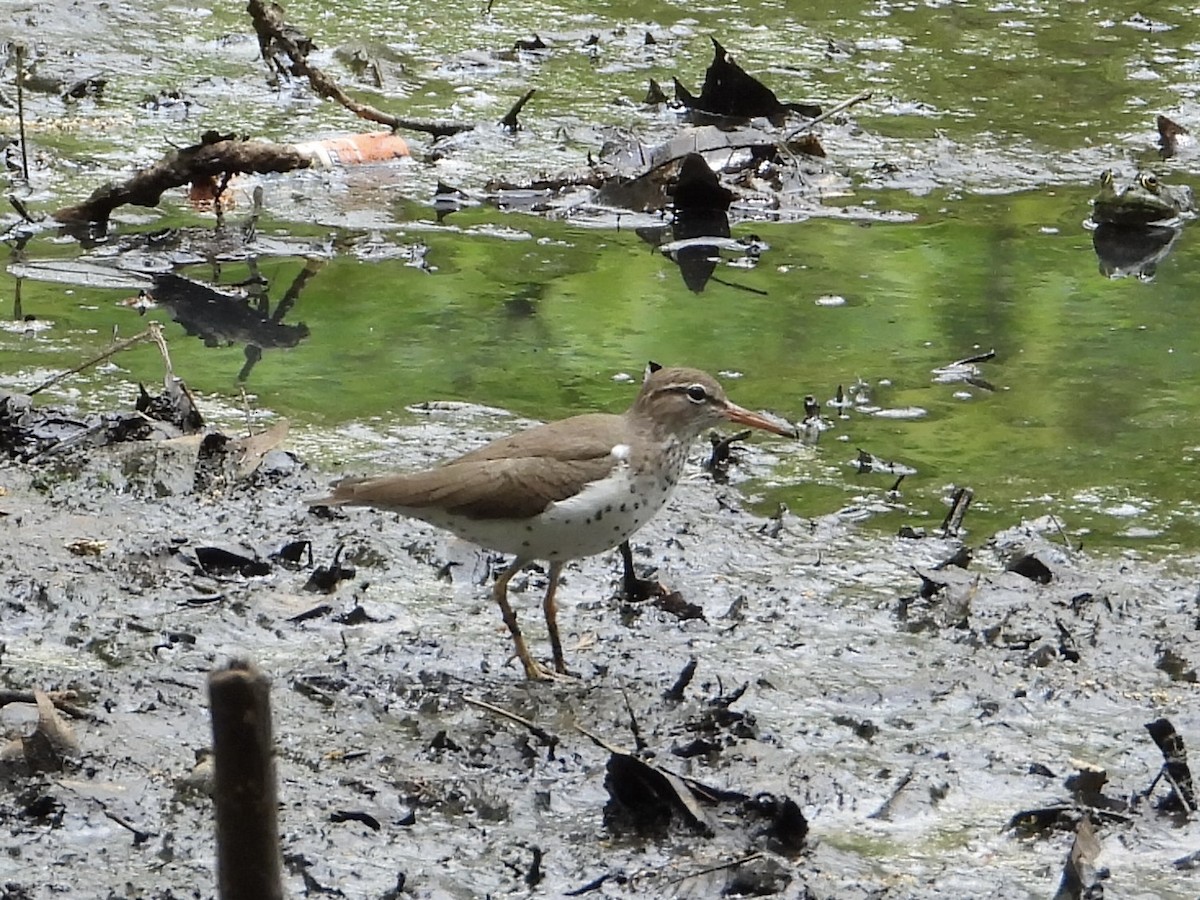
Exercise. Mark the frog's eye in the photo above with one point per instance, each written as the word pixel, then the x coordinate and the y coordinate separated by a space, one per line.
pixel 1149 182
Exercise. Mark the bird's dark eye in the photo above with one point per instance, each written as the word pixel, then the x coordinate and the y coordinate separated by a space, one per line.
pixel 697 394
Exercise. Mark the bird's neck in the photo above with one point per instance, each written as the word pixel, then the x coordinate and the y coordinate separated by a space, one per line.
pixel 660 443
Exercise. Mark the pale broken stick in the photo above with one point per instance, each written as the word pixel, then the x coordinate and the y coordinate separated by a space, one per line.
pixel 60 699
pixel 116 348
pixel 544 736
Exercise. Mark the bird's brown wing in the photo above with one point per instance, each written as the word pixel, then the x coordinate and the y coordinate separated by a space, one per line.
pixel 514 477
pixel 503 488
pixel 580 438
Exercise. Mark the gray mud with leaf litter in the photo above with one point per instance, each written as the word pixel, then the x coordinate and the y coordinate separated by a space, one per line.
pixel 909 731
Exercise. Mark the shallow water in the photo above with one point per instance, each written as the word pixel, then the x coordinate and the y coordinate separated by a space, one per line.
pixel 1091 412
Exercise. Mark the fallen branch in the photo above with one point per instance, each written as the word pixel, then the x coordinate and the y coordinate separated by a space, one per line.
pixel 832 111
pixel 273 32
pixel 214 156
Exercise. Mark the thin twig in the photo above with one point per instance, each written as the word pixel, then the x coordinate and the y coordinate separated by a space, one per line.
pixel 510 118
pixel 246 410
pixel 1062 534
pixel 1179 792
pixel 111 351
pixel 732 864
pixel 156 335
pixel 139 836
pixel 971 360
pixel 19 53
pixel 782 145
pixel 542 734
pixel 832 111
pixel 600 742
pixel 633 723
pixel 1153 784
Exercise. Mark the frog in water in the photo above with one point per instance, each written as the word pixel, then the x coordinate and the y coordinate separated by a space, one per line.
pixel 1146 200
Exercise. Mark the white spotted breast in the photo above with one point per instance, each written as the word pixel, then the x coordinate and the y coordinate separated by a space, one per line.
pixel 592 521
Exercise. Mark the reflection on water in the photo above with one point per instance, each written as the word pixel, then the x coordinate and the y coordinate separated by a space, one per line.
pixel 696 257
pixel 699 225
pixel 246 319
pixel 1133 250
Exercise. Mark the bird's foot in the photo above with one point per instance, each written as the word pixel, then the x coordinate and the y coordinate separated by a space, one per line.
pixel 535 671
pixel 638 590
pixel 634 588
pixel 563 674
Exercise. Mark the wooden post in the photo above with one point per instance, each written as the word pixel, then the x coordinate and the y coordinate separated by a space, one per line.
pixel 248 859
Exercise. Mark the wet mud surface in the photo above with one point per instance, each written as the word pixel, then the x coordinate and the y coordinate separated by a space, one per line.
pixel 859 721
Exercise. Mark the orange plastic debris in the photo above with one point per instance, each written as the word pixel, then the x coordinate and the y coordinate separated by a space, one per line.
pixel 354 149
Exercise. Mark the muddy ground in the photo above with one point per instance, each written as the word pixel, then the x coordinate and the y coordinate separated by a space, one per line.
pixel 873 742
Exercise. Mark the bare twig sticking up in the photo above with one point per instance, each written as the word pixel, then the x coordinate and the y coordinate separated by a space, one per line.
pixel 248 859
pixel 273 33
pixel 510 118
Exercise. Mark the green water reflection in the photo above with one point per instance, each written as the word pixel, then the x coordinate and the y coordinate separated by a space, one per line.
pixel 1093 417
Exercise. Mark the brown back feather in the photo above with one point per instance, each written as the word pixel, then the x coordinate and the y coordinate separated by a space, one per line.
pixel 514 477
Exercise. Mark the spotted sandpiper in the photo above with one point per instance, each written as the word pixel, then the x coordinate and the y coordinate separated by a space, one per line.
pixel 564 490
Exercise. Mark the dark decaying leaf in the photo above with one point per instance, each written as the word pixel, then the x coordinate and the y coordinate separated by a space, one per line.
pixel 682 609
pixel 1175 765
pixel 1027 565
pixel 649 798
pixel 729 90
pixel 224 561
pixel 787 826
pixel 698 188
pixel 1170 135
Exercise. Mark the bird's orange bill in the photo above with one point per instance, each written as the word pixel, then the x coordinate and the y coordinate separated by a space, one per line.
pixel 735 413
